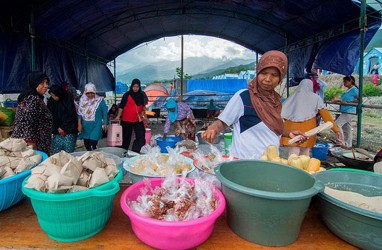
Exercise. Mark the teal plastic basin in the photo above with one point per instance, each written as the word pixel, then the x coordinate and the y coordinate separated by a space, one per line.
pixel 266 201
pixel 70 217
pixel 359 227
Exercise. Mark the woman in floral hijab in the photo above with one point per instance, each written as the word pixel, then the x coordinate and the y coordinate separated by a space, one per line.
pixel 92 117
pixel 255 113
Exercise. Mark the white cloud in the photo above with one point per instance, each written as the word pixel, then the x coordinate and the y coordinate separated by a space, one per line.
pixel 169 48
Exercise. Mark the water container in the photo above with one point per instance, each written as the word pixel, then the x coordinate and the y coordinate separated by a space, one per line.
pixel 148 136
pixel 227 142
pixel 114 134
pixel 320 151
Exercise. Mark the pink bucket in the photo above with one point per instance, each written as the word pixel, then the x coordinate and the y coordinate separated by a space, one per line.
pixel 169 234
pixel 148 136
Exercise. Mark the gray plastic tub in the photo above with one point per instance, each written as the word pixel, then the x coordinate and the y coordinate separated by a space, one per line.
pixel 359 227
pixel 266 201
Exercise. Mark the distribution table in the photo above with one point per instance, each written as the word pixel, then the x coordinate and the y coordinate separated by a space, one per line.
pixel 19 229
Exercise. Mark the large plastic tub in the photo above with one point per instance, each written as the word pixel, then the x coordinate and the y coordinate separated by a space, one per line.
pixel 169 234
pixel 135 177
pixel 359 227
pixel 170 142
pixel 70 217
pixel 10 188
pixel 266 201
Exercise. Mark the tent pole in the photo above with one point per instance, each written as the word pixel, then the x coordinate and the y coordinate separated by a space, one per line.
pixel 287 76
pixel 362 26
pixel 181 69
pixel 32 35
pixel 115 81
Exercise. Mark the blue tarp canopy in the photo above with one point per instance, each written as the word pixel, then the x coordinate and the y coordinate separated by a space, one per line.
pixel 73 40
pixel 227 86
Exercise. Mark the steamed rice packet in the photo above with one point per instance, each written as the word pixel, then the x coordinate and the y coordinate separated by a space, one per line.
pixel 39 170
pixel 84 179
pixel 13 144
pixel 2 172
pixel 76 188
pixel 28 152
pixel 101 157
pixel 92 164
pixel 50 168
pixel 56 180
pixel 8 172
pixel 60 158
pixel 84 157
pixel 37 182
pixel 24 164
pixel 28 163
pixel 8 161
pixel 111 168
pixel 98 177
pixel 72 169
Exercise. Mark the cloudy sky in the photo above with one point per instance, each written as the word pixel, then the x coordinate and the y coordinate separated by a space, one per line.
pixel 168 48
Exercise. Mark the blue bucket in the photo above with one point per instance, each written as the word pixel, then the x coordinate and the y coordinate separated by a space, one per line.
pixel 320 151
pixel 170 141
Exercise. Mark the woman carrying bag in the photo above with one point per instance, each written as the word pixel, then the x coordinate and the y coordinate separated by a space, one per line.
pixel 132 111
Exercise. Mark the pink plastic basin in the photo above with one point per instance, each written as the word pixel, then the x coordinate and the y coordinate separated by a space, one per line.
pixel 169 234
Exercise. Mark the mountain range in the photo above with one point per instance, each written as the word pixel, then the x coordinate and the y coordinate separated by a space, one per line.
pixel 197 67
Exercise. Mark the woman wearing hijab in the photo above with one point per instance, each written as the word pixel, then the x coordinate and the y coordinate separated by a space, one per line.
pixel 92 117
pixel 299 112
pixel 181 115
pixel 131 109
pixel 33 120
pixel 65 126
pixel 255 112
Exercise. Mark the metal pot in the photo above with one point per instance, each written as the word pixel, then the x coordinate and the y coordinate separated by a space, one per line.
pixel 346 158
pixel 121 152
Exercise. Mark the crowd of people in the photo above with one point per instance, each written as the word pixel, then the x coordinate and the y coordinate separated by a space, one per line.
pixel 256 114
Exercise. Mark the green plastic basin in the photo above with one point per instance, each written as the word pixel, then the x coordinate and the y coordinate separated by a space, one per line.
pixel 70 217
pixel 359 227
pixel 266 201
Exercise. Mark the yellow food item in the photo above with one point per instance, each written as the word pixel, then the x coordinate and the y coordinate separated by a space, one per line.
pixel 264 157
pixel 295 161
pixel 314 165
pixel 272 152
pixel 284 161
pixel 305 161
pixel 276 159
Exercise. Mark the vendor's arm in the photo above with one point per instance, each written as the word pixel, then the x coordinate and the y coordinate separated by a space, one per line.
pixel 104 115
pixel 328 118
pixel 166 128
pixel 230 115
pixel 79 125
pixel 122 104
pixel 213 131
pixel 287 133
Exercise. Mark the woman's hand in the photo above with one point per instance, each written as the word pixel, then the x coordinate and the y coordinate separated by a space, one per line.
pixel 294 133
pixel 339 136
pixel 79 127
pixel 209 135
pixel 61 132
pixel 104 127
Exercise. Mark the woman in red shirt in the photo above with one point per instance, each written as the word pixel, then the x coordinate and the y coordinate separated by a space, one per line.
pixel 131 109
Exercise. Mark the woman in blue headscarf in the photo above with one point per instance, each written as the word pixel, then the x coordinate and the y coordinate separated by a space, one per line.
pixel 181 115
